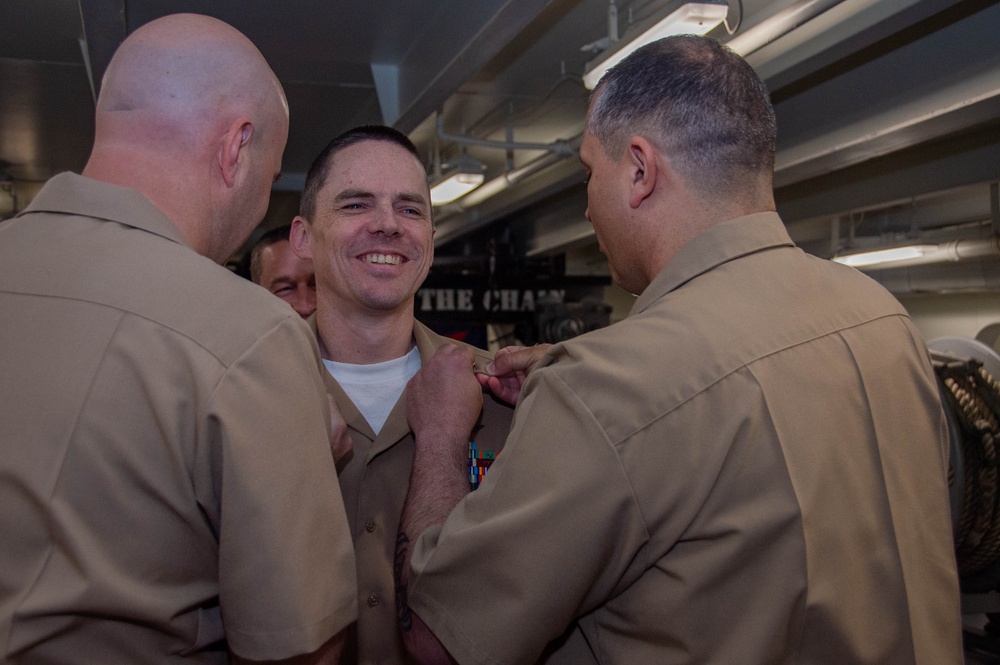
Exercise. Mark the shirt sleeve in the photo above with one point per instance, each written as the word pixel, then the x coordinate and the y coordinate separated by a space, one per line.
pixel 287 577
pixel 548 536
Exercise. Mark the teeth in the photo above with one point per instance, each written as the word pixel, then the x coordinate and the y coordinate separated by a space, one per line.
pixel 383 258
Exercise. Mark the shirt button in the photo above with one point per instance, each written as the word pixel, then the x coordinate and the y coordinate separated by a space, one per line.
pixel 373 600
pixel 370 526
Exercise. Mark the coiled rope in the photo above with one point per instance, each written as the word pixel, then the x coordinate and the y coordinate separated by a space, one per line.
pixel 974 396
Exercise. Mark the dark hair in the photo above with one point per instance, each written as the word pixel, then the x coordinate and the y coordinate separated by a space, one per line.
pixel 320 168
pixel 275 235
pixel 699 102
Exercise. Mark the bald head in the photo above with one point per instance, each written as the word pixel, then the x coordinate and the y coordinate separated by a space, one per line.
pixel 190 68
pixel 191 115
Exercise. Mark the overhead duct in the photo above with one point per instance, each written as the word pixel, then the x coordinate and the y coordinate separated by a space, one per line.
pixel 921 253
pixel 508 179
pixel 975 275
pixel 563 148
pixel 555 152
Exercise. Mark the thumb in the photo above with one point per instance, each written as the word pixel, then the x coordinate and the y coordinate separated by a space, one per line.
pixel 514 359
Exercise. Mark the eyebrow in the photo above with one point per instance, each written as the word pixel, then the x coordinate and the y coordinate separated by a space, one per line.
pixel 354 193
pixel 412 197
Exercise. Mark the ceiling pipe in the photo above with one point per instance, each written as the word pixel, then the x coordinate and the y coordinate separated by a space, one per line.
pixel 510 178
pixel 562 148
pixel 974 276
pixel 942 252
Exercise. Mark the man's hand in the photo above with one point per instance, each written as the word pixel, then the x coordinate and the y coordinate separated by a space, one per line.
pixel 443 401
pixel 509 369
pixel 340 442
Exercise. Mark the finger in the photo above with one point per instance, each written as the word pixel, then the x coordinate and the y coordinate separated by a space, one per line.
pixel 518 360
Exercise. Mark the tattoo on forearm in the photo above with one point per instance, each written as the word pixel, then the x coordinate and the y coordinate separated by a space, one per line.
pixel 402 604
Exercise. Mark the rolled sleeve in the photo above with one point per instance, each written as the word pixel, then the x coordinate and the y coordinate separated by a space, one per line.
pixel 548 535
pixel 286 563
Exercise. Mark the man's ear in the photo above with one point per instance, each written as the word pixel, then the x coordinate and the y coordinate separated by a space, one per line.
pixel 298 238
pixel 236 140
pixel 643 170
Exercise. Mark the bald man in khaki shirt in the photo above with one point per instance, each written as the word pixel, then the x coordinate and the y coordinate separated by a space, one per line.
pixel 166 477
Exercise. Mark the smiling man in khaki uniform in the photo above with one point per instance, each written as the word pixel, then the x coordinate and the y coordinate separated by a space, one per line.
pixel 167 488
pixel 750 468
pixel 366 223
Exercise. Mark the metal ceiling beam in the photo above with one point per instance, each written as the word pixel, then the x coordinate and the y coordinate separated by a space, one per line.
pixel 836 33
pixel 437 67
pixel 964 160
pixel 569 234
pixel 978 275
pixel 937 114
pixel 882 104
pixel 104 28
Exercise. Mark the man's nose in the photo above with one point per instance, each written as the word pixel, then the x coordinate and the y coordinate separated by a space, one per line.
pixel 384 220
pixel 304 303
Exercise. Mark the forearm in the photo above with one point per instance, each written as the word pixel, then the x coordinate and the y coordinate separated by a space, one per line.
pixel 443 403
pixel 437 483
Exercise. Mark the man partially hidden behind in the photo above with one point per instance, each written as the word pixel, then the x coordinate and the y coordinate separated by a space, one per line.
pixel 750 468
pixel 166 477
pixel 278 269
pixel 366 223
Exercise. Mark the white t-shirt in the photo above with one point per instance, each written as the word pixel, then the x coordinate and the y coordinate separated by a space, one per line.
pixel 376 388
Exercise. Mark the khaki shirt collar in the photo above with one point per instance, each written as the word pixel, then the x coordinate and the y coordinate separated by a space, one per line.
pixel 72 194
pixel 396 427
pixel 713 247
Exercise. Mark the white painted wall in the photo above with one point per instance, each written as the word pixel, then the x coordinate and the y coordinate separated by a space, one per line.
pixel 952 314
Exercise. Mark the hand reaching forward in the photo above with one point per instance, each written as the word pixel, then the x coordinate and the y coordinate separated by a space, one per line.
pixel 510 368
pixel 443 401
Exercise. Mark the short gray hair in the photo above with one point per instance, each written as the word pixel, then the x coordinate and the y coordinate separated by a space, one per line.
pixel 699 102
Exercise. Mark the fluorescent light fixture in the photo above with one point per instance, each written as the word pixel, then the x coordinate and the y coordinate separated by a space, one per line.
pixel 692 18
pixel 882 256
pixel 455 186
pixel 467 175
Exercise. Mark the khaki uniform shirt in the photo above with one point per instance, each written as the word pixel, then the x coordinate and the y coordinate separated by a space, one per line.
pixel 751 468
pixel 374 484
pixel 166 480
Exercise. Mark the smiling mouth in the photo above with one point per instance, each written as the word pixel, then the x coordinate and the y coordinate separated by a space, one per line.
pixel 385 259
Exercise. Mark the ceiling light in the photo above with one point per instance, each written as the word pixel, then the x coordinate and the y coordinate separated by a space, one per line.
pixel 883 256
pixel 465 175
pixel 692 18
pixel 918 255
